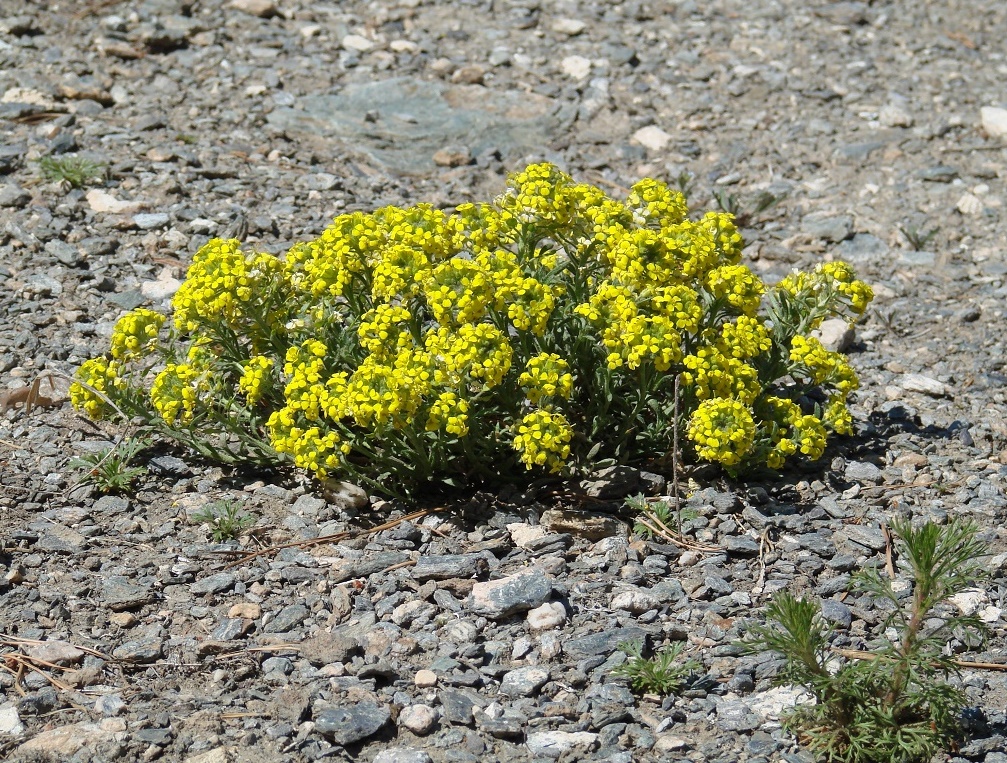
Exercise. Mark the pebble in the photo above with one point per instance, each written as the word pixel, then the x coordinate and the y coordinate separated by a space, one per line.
pixel 552 614
pixel 994 121
pixel 523 682
pixel 652 138
pixel 576 67
pixel 553 744
pixel 261 8
pixel 351 724
pixel 419 719
pixel 150 220
pixel 424 679
pixel 402 755
pixel 923 384
pixel 835 334
pixel 515 593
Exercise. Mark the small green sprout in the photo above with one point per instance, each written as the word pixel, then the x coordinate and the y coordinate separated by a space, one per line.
pixel 109 469
pixel 661 674
pixel 917 239
pixel 70 171
pixel 225 518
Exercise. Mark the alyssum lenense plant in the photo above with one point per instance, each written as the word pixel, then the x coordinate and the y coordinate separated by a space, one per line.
pixel 898 706
pixel 543 331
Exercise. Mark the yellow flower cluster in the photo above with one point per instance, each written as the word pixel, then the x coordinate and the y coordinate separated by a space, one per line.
pixel 826 279
pixel 256 378
pixel 408 335
pixel 176 390
pixel 821 365
pixel 102 375
pixel 546 375
pixel 219 282
pixel 135 334
pixel 543 439
pixel 449 413
pixel 722 430
pixel 712 374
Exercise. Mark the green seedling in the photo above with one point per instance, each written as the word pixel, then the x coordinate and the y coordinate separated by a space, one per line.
pixel 70 171
pixel 661 674
pixel 225 518
pixel 109 470
pixel 894 703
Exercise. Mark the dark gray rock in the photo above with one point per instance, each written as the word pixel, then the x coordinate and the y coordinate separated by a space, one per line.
pixel 519 592
pixel 287 618
pixel 351 724
pixel 603 643
pixel 118 594
pixel 222 581
pixel 449 566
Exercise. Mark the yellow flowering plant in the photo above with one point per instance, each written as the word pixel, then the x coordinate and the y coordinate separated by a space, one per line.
pixel 543 331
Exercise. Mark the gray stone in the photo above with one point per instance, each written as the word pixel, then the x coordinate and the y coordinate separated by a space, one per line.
pixel 402 755
pixel 817 543
pixel 326 648
pixel 159 737
pixel 603 643
pixel 353 723
pixel 150 220
pixel 229 629
pixel 457 705
pixel 222 581
pixel 10 721
pixel 862 248
pixel 862 471
pixel 142 650
pixel 837 612
pixel 449 566
pixel 612 482
pixel 12 195
pixel 402 122
pixel 66 253
pixel 287 618
pixel 741 545
pixel 516 593
pixel 553 744
pixel 168 466
pixel 524 682
pixel 835 229
pixel 346 569
pixel 62 539
pixel 110 705
pixel 635 600
pixel 868 537
pixel 118 593
pixel 735 715
pixel 940 173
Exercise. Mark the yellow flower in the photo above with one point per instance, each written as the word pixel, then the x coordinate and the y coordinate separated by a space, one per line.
pixel 744 338
pixel 177 390
pixel 449 413
pixel 256 379
pixel 135 334
pixel 738 286
pixel 711 374
pixel 104 376
pixel 722 430
pixel 546 375
pixel 655 204
pixel 543 439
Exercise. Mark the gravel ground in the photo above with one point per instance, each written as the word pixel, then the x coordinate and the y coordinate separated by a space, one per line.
pixel 263 119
